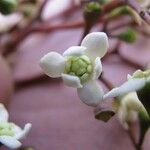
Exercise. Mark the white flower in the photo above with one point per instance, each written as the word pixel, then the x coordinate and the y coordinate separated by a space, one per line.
pixel 10 134
pixel 56 7
pixel 6 22
pixel 129 108
pixel 129 104
pixel 80 66
pixel 135 83
pixel 144 3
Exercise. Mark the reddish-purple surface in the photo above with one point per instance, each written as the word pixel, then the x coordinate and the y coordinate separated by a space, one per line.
pixel 6 81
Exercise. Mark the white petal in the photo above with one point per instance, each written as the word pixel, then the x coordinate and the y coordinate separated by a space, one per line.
pixel 3 114
pixel 72 81
pixel 122 114
pixel 54 8
pixel 132 102
pixel 19 133
pixel 8 21
pixel 97 68
pixel 129 86
pixel 96 44
pixel 74 51
pixel 91 93
pixel 53 64
pixel 10 142
pixel 129 106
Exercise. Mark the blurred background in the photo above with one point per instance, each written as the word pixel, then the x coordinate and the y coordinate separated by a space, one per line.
pixel 60 120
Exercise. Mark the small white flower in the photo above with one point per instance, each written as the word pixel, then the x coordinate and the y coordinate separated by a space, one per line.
pixel 135 83
pixel 144 3
pixel 129 108
pixel 80 66
pixel 56 7
pixel 129 104
pixel 10 134
pixel 6 22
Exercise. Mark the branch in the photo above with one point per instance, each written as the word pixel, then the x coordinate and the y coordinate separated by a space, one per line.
pixel 142 13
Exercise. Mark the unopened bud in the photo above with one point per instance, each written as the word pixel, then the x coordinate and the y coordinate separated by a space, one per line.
pixel 125 10
pixel 7 6
pixel 128 36
pixel 91 13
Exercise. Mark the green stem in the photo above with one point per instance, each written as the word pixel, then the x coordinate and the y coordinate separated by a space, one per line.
pixel 144 121
pixel 85 32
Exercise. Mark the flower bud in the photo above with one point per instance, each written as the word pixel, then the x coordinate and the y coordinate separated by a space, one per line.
pixel 125 10
pixel 130 108
pixel 122 10
pixel 7 6
pixel 128 36
pixel 144 92
pixel 91 13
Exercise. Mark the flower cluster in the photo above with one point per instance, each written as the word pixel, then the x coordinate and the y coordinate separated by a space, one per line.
pixel 80 67
pixel 10 133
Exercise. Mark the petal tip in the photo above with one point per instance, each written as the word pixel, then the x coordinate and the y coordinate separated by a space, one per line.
pixel 74 51
pixel 53 64
pixel 96 44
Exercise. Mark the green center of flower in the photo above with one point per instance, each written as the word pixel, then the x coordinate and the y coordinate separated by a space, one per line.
pixel 141 74
pixel 6 129
pixel 80 66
